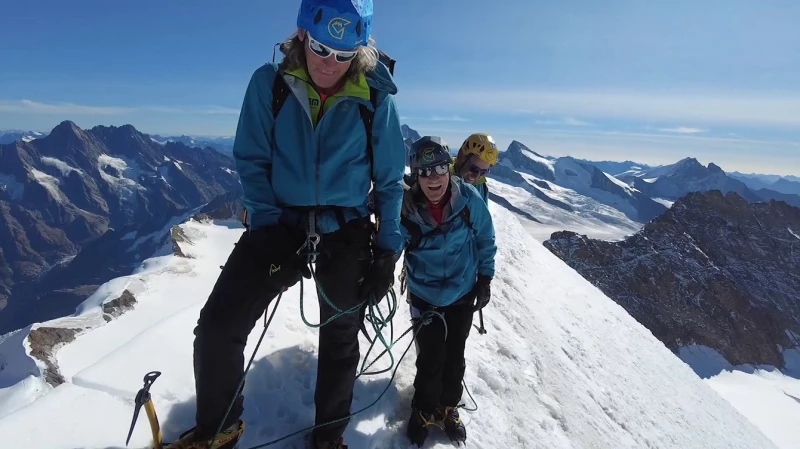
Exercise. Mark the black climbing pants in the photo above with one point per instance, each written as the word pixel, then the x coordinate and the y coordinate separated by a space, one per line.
pixel 440 362
pixel 244 289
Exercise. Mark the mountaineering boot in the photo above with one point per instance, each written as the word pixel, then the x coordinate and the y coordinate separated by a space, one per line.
pixel 227 439
pixel 418 426
pixel 453 426
pixel 337 444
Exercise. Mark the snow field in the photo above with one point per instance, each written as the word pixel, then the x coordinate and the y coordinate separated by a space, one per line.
pixel 562 366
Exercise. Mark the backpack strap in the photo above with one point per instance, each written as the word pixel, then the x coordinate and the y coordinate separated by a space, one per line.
pixel 367 117
pixel 464 214
pixel 414 230
pixel 280 91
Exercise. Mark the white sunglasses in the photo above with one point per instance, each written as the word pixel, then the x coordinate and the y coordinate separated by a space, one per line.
pixel 323 51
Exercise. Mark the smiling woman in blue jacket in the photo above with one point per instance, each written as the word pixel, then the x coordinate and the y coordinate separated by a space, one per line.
pixel 449 265
pixel 318 147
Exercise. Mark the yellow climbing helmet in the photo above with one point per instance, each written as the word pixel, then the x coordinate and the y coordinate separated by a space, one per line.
pixel 482 145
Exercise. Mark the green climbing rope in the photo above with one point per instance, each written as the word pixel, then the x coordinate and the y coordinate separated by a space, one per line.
pixel 373 315
pixel 418 325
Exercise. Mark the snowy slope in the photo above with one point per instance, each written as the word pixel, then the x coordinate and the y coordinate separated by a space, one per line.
pixel 562 366
pixel 20 376
pixel 767 396
pixel 567 194
pixel 585 214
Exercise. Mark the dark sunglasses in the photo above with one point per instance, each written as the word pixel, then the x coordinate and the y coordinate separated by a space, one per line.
pixel 425 172
pixel 323 51
pixel 477 170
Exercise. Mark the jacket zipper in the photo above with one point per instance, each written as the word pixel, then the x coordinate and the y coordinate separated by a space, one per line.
pixel 313 132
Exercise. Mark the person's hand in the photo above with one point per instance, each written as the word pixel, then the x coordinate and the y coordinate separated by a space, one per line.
pixel 380 276
pixel 277 253
pixel 484 292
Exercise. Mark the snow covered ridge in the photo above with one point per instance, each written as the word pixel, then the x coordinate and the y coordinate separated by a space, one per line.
pixel 84 185
pixel 562 366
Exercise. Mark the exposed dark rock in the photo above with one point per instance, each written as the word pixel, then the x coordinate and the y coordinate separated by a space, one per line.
pixel 44 342
pixel 116 307
pixel 178 236
pixel 713 270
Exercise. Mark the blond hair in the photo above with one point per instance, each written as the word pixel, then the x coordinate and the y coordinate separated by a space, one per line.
pixel 295 57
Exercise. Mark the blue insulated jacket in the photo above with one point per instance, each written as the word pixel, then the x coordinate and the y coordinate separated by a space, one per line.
pixel 483 191
pixel 297 160
pixel 445 265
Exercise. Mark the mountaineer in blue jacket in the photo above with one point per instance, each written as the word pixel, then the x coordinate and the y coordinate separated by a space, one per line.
pixel 449 265
pixel 316 133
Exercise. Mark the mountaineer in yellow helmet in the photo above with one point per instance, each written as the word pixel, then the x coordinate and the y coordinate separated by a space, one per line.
pixel 477 155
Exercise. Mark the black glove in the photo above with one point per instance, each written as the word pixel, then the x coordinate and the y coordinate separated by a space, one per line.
pixel 277 253
pixel 484 292
pixel 380 276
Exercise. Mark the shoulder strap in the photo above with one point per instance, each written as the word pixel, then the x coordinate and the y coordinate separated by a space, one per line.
pixel 280 91
pixel 414 230
pixel 367 117
pixel 464 214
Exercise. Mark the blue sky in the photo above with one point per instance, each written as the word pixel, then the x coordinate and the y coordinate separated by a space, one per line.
pixel 650 81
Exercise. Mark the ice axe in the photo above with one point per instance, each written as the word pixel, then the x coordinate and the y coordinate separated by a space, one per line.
pixel 143 399
pixel 481 330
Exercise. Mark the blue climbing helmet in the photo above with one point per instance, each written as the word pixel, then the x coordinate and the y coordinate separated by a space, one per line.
pixel 339 24
pixel 428 154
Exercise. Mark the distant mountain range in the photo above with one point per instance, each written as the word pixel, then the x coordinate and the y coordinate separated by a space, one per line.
pixel 688 175
pixel 223 144
pixel 582 177
pixel 10 136
pixel 785 184
pixel 603 199
pixel 77 207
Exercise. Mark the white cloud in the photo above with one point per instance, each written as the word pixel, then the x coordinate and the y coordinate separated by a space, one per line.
pixel 436 118
pixel 683 130
pixel 452 118
pixel 566 121
pixel 39 108
pixel 58 108
pixel 773 110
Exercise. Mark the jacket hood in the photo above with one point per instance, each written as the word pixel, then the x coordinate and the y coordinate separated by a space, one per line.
pixel 381 79
pixel 415 204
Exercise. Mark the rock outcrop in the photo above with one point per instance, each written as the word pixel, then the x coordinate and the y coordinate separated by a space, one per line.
pixel 715 270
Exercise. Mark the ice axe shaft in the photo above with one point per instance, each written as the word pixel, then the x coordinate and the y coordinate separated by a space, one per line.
pixel 481 330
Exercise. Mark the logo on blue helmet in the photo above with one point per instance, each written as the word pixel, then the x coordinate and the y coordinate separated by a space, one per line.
pixel 339 24
pixel 429 151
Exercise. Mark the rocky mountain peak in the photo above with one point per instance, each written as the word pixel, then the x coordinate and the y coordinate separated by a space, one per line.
pixel 66 131
pixel 75 188
pixel 516 148
pixel 714 270
pixel 689 168
pixel 715 169
pixel 409 133
pixel 522 157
